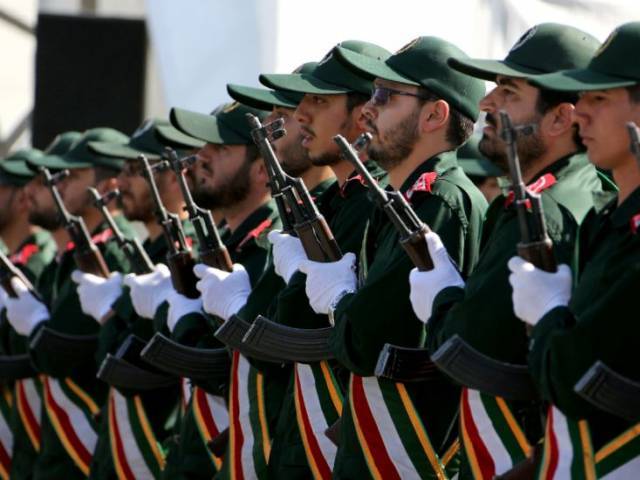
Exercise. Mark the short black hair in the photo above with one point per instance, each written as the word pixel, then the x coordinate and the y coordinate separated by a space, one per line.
pixel 460 126
pixel 356 99
pixel 548 99
pixel 251 154
pixel 104 173
pixel 634 93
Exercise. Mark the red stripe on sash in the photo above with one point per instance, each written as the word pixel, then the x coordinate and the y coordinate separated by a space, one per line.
pixel 238 438
pixel 553 447
pixel 122 458
pixel 370 431
pixel 203 406
pixel 482 456
pixel 324 470
pixel 24 408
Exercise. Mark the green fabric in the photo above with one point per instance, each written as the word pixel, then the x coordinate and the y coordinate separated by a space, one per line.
pixel 611 66
pixel 14 169
pixel 190 460
pixel 330 76
pixel 58 146
pixel 366 320
pixel 59 293
pixel 346 210
pixel 544 48
pixel 598 324
pixel 482 312
pixel 226 125
pixel 423 62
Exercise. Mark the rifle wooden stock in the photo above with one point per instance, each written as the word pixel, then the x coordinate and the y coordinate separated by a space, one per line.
pixel 182 277
pixel 417 249
pixel 217 258
pixel 91 261
pixel 539 254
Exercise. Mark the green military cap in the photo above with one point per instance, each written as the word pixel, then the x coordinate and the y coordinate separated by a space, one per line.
pixel 543 48
pixel 614 65
pixel 473 162
pixel 149 141
pixel 330 76
pixel 62 143
pixel 264 99
pixel 423 62
pixel 80 155
pixel 226 125
pixel 14 169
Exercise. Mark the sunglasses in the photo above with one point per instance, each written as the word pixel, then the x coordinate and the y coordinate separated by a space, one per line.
pixel 380 95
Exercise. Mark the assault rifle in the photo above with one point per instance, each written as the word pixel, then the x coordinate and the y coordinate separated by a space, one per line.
pixel 86 255
pixel 8 271
pixel 179 259
pixel 132 248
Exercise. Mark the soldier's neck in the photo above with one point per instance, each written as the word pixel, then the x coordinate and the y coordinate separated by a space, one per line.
pixel 92 218
pixel 627 178
pixel 154 229
pixel 61 237
pixel 238 213
pixel 316 175
pixel 17 232
pixel 551 156
pixel 342 170
pixel 399 173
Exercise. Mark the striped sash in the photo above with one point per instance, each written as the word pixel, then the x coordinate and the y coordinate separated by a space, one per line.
pixel 620 458
pixel 135 450
pixel 249 440
pixel 493 441
pixel 567 449
pixel 6 434
pixel 212 418
pixel 29 404
pixel 72 414
pixel 318 402
pixel 389 430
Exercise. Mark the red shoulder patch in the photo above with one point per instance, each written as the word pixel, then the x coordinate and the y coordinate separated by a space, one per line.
pixel 98 238
pixel 23 256
pixel 635 223
pixel 353 179
pixel 544 182
pixel 255 233
pixel 423 184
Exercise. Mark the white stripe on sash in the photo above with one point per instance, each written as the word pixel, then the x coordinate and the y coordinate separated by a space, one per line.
pixel 244 404
pixel 218 409
pixel 133 455
pixel 628 470
pixel 6 435
pixel 563 441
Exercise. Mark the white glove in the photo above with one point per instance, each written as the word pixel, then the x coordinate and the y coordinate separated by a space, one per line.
pixel 97 294
pixel 536 292
pixel 288 254
pixel 24 312
pixel 150 290
pixel 179 306
pixel 425 286
pixel 223 293
pixel 326 281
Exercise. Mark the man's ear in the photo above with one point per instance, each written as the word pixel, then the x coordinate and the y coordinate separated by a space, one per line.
pixel 359 118
pixel 559 120
pixel 434 116
pixel 259 172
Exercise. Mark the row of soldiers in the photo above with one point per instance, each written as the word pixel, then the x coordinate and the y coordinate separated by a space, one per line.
pixel 323 291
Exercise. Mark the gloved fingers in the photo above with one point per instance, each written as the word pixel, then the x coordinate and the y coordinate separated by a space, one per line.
pixel 238 267
pixel 19 287
pixel 518 264
pixel 201 270
pixel 437 250
pixel 274 236
pixel 349 259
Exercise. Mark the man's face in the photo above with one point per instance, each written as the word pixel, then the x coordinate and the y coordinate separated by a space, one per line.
pixel 7 205
pixel 518 98
pixel 221 176
pixel 602 116
pixel 42 209
pixel 293 157
pixel 322 117
pixel 135 194
pixel 394 125
pixel 73 190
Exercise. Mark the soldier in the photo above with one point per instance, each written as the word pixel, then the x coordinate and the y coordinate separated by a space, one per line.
pixel 420 112
pixel 72 396
pixel 30 249
pixel 593 320
pixel 132 407
pixel 496 434
pixel 484 174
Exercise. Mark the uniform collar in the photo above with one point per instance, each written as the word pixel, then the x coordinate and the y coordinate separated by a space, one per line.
pixel 256 218
pixel 438 163
pixel 622 214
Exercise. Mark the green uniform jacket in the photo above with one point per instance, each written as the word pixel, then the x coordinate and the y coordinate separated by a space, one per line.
pixel 66 316
pixel 346 209
pixel 188 457
pixel 482 312
pixel 33 255
pixel 366 320
pixel 600 322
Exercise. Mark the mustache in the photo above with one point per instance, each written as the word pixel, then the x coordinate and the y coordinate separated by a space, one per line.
pixel 490 120
pixel 307 130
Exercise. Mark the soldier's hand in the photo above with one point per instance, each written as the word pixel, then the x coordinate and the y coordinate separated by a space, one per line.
pixel 327 282
pixel 25 311
pixel 536 292
pixel 97 294
pixel 288 254
pixel 223 293
pixel 180 306
pixel 150 290
pixel 425 286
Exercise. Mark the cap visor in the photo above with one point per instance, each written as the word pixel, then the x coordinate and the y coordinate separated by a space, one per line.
pixel 301 83
pixel 120 151
pixel 489 69
pixel 370 67
pixel 173 135
pixel 261 98
pixel 57 162
pixel 204 127
pixel 580 80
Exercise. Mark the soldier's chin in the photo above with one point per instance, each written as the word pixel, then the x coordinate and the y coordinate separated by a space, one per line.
pixel 48 220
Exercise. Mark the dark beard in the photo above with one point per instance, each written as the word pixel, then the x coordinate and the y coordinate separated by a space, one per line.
pixel 230 193
pixel 50 221
pixel 529 147
pixel 142 212
pixel 399 143
pixel 295 159
pixel 326 160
